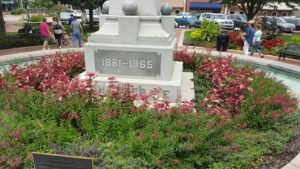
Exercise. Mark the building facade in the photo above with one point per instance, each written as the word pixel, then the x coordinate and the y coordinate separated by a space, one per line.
pixel 271 9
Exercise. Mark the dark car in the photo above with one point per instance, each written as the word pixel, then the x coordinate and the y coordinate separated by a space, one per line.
pixel 239 20
pixel 293 20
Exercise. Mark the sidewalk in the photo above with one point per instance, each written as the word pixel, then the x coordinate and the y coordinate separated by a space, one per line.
pixel 31 49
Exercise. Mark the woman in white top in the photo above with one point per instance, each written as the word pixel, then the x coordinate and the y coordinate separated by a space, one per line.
pixel 257 41
pixel 57 29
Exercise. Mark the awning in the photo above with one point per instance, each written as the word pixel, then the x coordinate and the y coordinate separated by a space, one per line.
pixel 205 5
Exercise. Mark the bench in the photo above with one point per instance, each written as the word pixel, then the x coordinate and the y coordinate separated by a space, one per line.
pixel 290 50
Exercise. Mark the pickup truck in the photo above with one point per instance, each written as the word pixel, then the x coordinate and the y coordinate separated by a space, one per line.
pixel 187 20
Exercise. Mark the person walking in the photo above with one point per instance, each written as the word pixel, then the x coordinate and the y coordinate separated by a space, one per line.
pixel 257 41
pixel 76 32
pixel 249 37
pixel 57 29
pixel 45 33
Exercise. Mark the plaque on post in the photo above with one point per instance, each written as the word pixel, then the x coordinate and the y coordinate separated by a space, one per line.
pixel 53 161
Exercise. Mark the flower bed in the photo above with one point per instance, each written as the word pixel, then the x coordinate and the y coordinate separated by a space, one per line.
pixel 270 47
pixel 232 124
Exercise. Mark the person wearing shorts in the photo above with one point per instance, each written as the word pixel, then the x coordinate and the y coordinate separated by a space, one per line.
pixel 45 33
pixel 57 29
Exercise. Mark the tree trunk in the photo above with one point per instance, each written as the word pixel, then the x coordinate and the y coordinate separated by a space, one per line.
pixel 2 24
pixel 250 15
pixel 91 13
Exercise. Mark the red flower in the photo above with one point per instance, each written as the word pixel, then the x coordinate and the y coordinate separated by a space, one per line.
pixel 90 74
pixel 4 159
pixel 235 39
pixel 235 148
pixel 273 43
pixel 74 116
pixel 177 161
pixel 159 163
pixel 244 126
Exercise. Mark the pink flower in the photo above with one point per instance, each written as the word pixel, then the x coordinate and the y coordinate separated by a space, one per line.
pixel 111 78
pixel 17 134
pixel 114 91
pixel 17 161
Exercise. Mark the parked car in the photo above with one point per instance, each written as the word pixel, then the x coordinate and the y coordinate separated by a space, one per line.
pixel 86 16
pixel 187 21
pixel 293 20
pixel 218 18
pixel 64 16
pixel 239 21
pixel 282 25
pixel 77 13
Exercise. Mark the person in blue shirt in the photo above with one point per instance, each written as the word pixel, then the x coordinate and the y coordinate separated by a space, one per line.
pixel 71 19
pixel 249 37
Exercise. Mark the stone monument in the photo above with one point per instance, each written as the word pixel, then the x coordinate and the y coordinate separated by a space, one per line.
pixel 136 44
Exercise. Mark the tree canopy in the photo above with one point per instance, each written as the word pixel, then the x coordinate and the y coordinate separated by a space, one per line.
pixel 252 7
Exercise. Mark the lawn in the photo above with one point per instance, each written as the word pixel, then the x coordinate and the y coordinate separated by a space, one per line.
pixel 288 37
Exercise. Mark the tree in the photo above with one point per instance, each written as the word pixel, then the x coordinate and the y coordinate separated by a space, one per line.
pixel 86 4
pixel 252 7
pixel 2 23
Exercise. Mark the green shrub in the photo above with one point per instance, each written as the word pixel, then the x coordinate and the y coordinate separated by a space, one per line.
pixel 13 41
pixel 36 18
pixel 116 134
pixel 19 11
pixel 295 40
pixel 268 104
pixel 208 31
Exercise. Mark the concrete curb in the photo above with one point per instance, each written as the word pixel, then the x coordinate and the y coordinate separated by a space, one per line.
pixel 36 54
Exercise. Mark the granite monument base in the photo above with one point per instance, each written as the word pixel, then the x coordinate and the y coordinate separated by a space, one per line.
pixel 171 90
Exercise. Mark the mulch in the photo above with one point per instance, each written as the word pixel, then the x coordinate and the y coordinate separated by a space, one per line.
pixel 277 161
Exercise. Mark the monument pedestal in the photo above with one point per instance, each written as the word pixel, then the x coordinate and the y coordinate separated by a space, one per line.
pixel 137 49
pixel 170 89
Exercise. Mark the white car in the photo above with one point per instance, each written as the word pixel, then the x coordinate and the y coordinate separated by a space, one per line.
pixel 218 18
pixel 86 16
pixel 77 13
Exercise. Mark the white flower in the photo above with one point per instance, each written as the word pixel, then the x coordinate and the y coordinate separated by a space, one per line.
pixel 138 103
pixel 171 105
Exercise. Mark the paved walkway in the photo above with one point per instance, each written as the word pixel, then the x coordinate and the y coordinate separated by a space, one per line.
pixel 27 49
